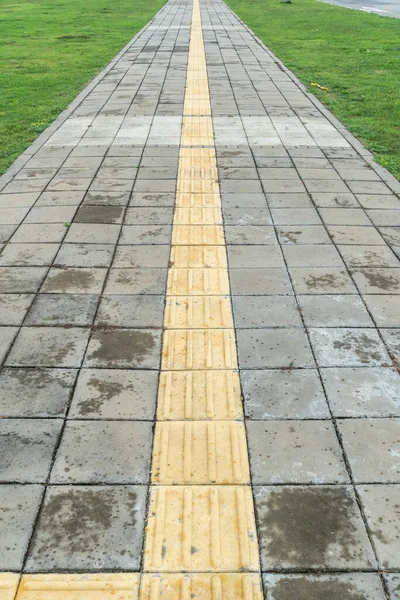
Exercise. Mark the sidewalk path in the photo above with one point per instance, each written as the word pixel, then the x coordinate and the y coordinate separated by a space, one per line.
pixel 200 336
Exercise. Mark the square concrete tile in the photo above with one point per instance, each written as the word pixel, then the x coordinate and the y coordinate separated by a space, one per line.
pixel 392 340
pixel 311 527
pixel 35 392
pixel 377 281
pixel 294 452
pixel 19 505
pixel 265 311
pixel 124 348
pixel 372 447
pixel 382 509
pixel 161 199
pixel 342 586
pixel 345 347
pixel 84 255
pixel 142 257
pixel 35 233
pixel 363 392
pixel 48 347
pixel 393 584
pixel 243 200
pixel 136 281
pixel 28 255
pixel 85 528
pixel 260 281
pixel 74 281
pixel 276 348
pixel 322 280
pixel 131 311
pixel 115 394
pixel 99 214
pixel 26 449
pixel 7 335
pixel 368 256
pixel 93 233
pixel 309 256
pixel 283 394
pixel 104 452
pixel 295 216
pixel 13 308
pixel 250 234
pixel 355 235
pixel 51 214
pixel 146 234
pixel 289 201
pixel 385 309
pixel 344 216
pixel 250 257
pixel 303 234
pixel 334 311
pixel 247 216
pixel 21 280
pixel 149 216
pixel 334 200
pixel 63 309
pixel 60 198
pixel 107 199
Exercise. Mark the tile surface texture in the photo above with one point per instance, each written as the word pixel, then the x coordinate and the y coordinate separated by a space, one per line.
pixel 199 336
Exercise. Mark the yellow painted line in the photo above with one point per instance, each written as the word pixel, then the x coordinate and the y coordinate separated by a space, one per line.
pixel 110 586
pixel 200 536
pixel 8 585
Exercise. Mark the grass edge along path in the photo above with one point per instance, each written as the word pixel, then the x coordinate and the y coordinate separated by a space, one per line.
pixel 49 51
pixel 356 55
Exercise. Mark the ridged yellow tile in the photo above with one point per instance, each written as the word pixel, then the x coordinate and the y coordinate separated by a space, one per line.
pixel 199 395
pixel 198 257
pixel 198 235
pixel 185 282
pixel 202 586
pixel 197 186
pixel 196 106
pixel 8 585
pixel 197 131
pixel 195 172
pixel 197 153
pixel 201 528
pixel 186 350
pixel 197 200
pixel 200 452
pixel 202 215
pixel 111 586
pixel 198 312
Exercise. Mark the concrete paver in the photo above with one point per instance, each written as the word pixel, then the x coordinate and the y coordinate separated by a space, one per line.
pixel 198 231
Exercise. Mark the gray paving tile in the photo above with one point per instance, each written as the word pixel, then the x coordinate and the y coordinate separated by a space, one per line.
pixel 92 233
pixel 295 216
pixel 50 214
pixel 7 335
pixel 28 255
pixel 274 348
pixel 311 527
pixel 368 256
pixel 260 281
pixel 48 347
pixel 146 234
pixel 99 214
pixel 19 505
pixel 107 535
pixel 355 234
pixel 254 257
pixel 303 234
pixel 306 256
pixel 84 255
pixel 71 280
pixel 294 452
pixel 131 311
pixel 363 392
pixel 35 392
pixel 345 347
pixel 334 200
pixel 137 256
pixel 250 234
pixel 247 216
pixel 385 309
pixel 26 449
pixel 152 199
pixel 149 216
pixel 341 586
pixel 377 281
pixel 283 394
pixel 63 309
pixel 106 199
pixel 104 452
pixel 381 505
pixel 13 308
pixel 322 280
pixel 289 201
pixel 15 280
pixel 372 448
pixel 124 348
pixel 136 281
pixel 243 200
pixel 265 311
pixel 393 584
pixel 334 311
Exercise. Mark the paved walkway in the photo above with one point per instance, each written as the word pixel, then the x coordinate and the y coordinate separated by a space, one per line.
pixel 274 281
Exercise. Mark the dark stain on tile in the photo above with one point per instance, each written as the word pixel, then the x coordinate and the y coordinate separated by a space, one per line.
pixel 69 278
pixel 303 588
pixel 363 346
pixel 123 345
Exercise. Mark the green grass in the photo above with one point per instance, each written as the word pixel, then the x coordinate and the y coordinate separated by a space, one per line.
pixel 49 50
pixel 355 54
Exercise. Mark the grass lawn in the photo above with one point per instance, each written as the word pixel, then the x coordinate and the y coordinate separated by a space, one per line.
pixel 355 54
pixel 49 50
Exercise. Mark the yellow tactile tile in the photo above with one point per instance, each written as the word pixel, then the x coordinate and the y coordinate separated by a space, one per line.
pixel 192 173
pixel 199 395
pixel 198 257
pixel 198 235
pixel 197 186
pixel 186 282
pixel 197 200
pixel 190 349
pixel 196 106
pixel 198 312
pixel 200 452
pixel 8 585
pixel 111 586
pixel 197 131
pixel 202 586
pixel 197 153
pixel 200 215
pixel 201 528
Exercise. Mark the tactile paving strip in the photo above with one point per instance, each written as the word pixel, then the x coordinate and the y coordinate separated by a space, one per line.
pixel 8 585
pixel 110 586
